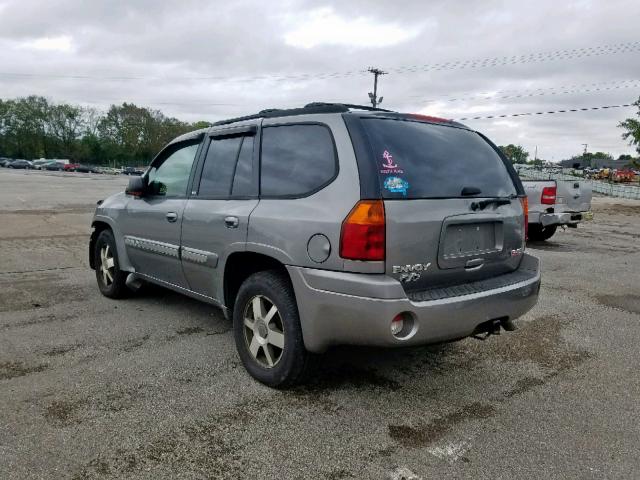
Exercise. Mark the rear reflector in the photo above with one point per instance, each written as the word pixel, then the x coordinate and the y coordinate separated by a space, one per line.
pixel 548 195
pixel 363 232
pixel 525 210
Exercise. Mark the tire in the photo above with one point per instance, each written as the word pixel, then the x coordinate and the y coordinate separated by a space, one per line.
pixel 274 366
pixel 111 284
pixel 538 233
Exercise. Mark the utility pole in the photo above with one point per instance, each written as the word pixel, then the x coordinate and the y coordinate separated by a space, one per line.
pixel 373 96
pixel 584 154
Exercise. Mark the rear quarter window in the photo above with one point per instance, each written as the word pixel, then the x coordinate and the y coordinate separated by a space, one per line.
pixel 423 160
pixel 296 160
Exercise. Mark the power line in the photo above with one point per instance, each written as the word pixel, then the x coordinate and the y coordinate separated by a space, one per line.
pixel 529 58
pixel 550 112
pixel 539 92
pixel 566 54
pixel 519 90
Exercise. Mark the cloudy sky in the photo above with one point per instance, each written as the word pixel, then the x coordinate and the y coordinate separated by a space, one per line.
pixel 206 60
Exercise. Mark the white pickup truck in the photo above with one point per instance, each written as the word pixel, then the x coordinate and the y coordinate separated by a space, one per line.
pixel 556 203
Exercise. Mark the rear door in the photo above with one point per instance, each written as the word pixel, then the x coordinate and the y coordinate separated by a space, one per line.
pixel 451 204
pixel 217 213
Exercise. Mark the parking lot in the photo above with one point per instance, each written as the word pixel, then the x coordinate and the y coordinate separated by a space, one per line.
pixel 151 387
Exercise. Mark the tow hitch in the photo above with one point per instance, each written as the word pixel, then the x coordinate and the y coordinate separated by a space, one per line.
pixel 492 327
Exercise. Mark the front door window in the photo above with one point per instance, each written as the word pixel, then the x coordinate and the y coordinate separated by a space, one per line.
pixel 169 177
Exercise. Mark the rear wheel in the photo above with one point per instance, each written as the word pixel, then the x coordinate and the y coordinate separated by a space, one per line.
pixel 538 233
pixel 267 330
pixel 111 280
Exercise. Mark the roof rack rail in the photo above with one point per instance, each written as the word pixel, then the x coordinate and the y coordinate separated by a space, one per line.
pixel 348 105
pixel 314 107
pixel 288 112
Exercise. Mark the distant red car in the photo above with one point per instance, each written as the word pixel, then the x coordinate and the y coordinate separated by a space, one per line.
pixel 71 167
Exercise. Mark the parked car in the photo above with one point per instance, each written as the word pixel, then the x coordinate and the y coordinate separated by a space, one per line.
pixel 54 166
pixel 4 162
pixel 326 225
pixel 132 171
pixel 25 164
pixel 556 203
pixel 70 167
pixel 39 164
pixel 86 168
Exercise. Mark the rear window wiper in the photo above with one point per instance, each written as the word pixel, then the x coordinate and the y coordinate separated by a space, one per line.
pixel 482 204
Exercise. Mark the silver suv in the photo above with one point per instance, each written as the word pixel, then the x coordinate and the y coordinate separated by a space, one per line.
pixel 326 225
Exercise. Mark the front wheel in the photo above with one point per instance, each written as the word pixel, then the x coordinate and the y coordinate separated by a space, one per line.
pixel 538 233
pixel 111 280
pixel 267 330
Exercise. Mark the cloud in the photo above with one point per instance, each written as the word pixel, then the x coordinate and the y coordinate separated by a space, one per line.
pixel 204 59
pixel 323 26
pixel 62 43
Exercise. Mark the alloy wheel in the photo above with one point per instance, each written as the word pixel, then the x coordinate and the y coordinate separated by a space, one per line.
pixel 107 265
pixel 263 331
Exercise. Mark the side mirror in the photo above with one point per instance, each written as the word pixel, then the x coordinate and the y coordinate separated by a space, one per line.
pixel 137 186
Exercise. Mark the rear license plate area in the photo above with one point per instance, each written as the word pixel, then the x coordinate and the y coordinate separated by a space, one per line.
pixel 470 239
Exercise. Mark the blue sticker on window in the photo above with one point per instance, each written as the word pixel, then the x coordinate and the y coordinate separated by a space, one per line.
pixel 396 185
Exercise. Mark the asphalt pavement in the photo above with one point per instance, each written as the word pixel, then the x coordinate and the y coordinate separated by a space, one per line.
pixel 151 387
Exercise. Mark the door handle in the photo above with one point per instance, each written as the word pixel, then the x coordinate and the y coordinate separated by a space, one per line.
pixel 231 222
pixel 474 264
pixel 171 217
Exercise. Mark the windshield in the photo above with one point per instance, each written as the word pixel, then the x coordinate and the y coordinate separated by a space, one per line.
pixel 423 160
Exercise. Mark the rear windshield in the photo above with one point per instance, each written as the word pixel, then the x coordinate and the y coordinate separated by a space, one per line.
pixel 423 160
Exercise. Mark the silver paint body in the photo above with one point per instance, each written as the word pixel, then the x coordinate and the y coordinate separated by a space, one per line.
pixel 340 301
pixel 573 200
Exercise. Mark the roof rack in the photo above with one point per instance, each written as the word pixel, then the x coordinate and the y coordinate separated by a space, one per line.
pixel 315 107
pixel 348 105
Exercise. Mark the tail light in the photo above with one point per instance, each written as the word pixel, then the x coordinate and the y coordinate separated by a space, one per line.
pixel 548 196
pixel 525 210
pixel 428 118
pixel 363 232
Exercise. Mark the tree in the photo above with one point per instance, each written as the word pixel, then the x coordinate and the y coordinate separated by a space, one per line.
pixel 66 125
pixel 515 153
pixel 126 134
pixel 133 135
pixel 632 127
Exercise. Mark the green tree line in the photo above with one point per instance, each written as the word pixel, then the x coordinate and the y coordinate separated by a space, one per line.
pixel 33 127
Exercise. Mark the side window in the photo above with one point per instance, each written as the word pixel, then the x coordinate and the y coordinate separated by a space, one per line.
pixel 243 178
pixel 296 159
pixel 171 176
pixel 217 172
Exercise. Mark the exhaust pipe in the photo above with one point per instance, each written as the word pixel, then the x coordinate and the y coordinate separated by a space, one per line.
pixel 492 327
pixel 508 325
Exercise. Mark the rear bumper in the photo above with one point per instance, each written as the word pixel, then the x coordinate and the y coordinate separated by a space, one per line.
pixel 559 218
pixel 336 309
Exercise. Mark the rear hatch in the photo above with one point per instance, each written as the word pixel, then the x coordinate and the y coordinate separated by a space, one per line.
pixel 573 196
pixel 451 203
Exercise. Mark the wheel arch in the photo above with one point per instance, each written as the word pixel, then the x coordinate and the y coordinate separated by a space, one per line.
pixel 99 224
pixel 242 264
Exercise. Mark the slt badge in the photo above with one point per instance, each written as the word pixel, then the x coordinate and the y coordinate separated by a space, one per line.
pixel 410 273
